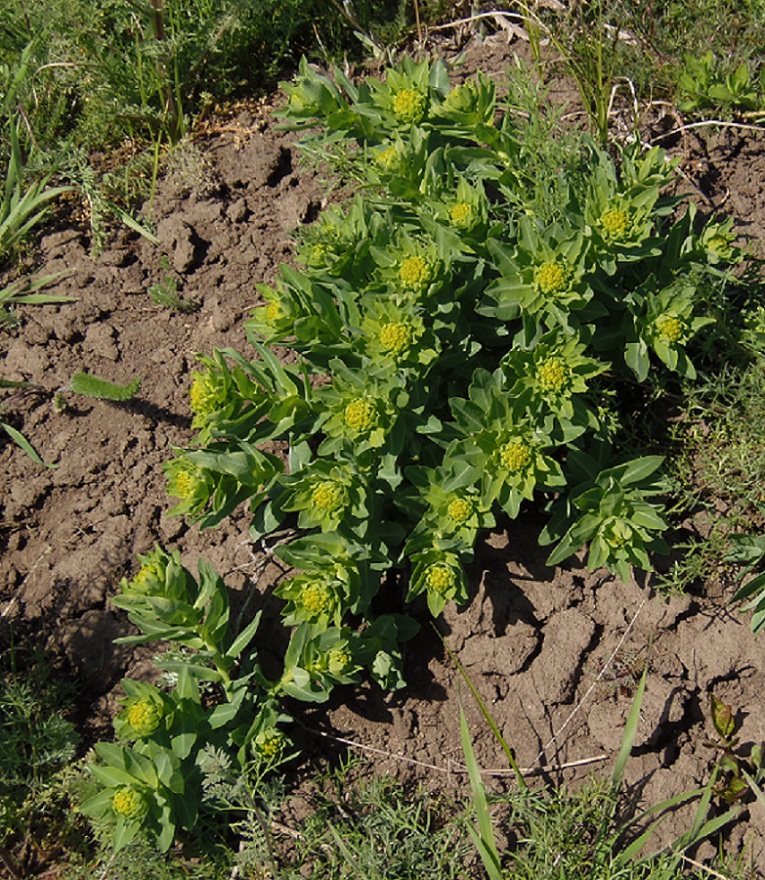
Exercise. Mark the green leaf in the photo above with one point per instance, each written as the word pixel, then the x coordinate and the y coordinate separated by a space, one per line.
pixel 485 840
pixel 111 776
pixel 244 638
pixel 93 386
pixel 22 441
pixel 124 832
pixel 630 729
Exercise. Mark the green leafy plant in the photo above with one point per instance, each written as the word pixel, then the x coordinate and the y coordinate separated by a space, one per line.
pixel 455 358
pixel 749 552
pixel 705 84
pixel 741 767
pixel 40 743
pixel 22 205
pixel 165 293
pixel 151 779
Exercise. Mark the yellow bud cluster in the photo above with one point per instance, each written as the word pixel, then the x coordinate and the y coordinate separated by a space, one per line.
pixel 669 328
pixel 395 337
pixel 329 495
pixel 361 415
pixel 550 278
pixel 616 224
pixel 144 717
pixel 409 105
pixel 148 578
pixel 270 744
pixel 388 159
pixel 274 312
pixel 128 802
pixel 203 395
pixel 552 375
pixel 414 273
pixel 459 510
pixel 461 214
pixel 339 659
pixel 515 455
pixel 186 482
pixel 440 577
pixel 316 598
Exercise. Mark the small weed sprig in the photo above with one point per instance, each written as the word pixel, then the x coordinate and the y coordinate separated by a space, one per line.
pixel 741 768
pixel 456 358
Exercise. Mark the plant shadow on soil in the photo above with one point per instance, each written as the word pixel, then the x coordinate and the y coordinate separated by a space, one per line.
pixel 554 653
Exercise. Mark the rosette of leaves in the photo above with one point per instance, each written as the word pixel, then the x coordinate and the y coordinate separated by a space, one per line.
pixel 324 495
pixel 440 576
pixel 166 602
pixel 410 268
pixel 340 575
pixel 447 509
pixel 337 244
pixel 463 208
pixel 505 447
pixel 623 208
pixel 314 663
pixel 317 661
pixel 468 108
pixel 612 510
pixel 553 378
pixel 665 326
pixel 395 334
pixel 146 710
pixel 211 482
pixel 360 411
pixel 541 278
pixel 141 792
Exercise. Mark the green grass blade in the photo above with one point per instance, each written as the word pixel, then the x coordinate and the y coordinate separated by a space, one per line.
pixel 484 837
pixel 22 441
pixel 133 224
pixel 630 730
pixel 488 717
pixel 758 792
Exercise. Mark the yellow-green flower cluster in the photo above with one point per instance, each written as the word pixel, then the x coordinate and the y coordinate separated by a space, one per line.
pixel 339 659
pixel 552 375
pixel 616 224
pixel 462 215
pixel 149 578
pixel 440 577
pixel 317 598
pixel 361 415
pixel 670 329
pixel 409 105
pixel 515 455
pixel 129 803
pixel 415 273
pixel 388 159
pixel 329 495
pixel 395 337
pixel 205 395
pixel 550 278
pixel 270 743
pixel 144 717
pixel 459 510
pixel 186 481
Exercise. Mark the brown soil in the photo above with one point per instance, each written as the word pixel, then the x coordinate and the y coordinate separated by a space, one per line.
pixel 556 654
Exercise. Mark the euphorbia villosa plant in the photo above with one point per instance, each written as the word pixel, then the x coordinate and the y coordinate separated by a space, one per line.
pixel 456 358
